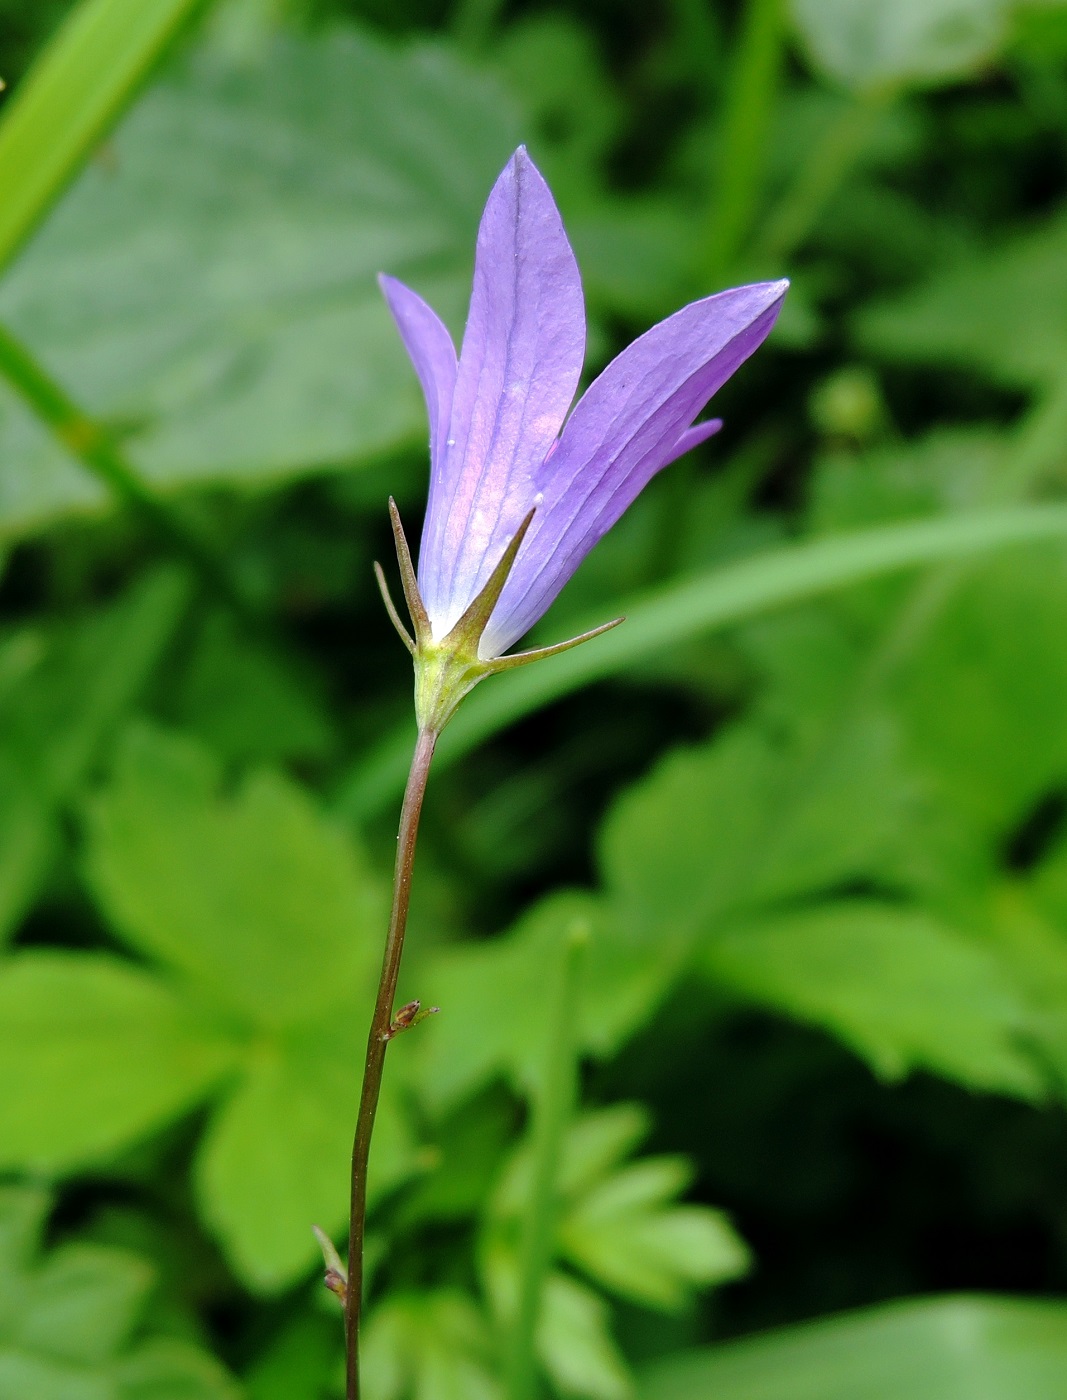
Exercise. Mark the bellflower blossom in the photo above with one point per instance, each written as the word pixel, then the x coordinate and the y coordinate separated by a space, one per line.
pixel 520 492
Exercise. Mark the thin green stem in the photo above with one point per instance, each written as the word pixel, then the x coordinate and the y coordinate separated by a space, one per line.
pixel 95 450
pixel 553 1108
pixel 377 1043
pixel 820 177
pixel 745 135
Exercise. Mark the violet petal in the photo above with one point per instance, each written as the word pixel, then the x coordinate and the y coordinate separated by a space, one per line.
pixel 624 429
pixel 430 349
pixel 518 370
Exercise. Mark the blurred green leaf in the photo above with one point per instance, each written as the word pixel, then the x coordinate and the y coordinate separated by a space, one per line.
pixel 68 1322
pixel 621 1226
pixel 259 903
pixel 576 1345
pixel 93 1052
pixel 1001 312
pixel 67 691
pixel 862 43
pixel 63 106
pixel 629 1235
pixel 488 1032
pixel 929 1349
pixel 247 702
pixel 901 989
pixel 267 912
pixel 265 927
pixel 208 289
pixel 428 1346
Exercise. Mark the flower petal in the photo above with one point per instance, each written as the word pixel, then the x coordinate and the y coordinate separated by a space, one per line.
pixel 626 427
pixel 693 437
pixel 518 370
pixel 430 349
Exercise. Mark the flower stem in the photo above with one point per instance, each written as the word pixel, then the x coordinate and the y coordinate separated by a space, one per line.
pixel 553 1108
pixel 377 1043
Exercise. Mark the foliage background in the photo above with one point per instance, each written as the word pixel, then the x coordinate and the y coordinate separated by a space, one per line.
pixel 808 807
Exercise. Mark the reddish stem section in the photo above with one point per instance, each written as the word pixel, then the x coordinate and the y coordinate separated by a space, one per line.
pixel 377 1043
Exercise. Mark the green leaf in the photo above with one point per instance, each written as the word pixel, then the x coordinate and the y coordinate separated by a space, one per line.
pixel 1001 312
pixel 898 987
pixel 692 607
pixel 862 43
pixel 629 1235
pixel 93 1053
pixel 575 1343
pixel 266 929
pixel 210 289
pixel 265 910
pixel 77 87
pixel 275 1158
pixel 67 691
pixel 485 1032
pixel 428 1346
pixel 749 820
pixel 620 1222
pixel 247 703
pixel 299 1361
pixel 218 887
pixel 929 1349
pixel 68 1320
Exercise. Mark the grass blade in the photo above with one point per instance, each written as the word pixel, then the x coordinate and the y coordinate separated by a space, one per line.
pixel 692 606
pixel 75 90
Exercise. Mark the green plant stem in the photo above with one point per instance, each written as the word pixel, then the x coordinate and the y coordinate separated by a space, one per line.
pixel 745 138
pixel 377 1043
pixel 92 446
pixel 553 1108
pixel 820 177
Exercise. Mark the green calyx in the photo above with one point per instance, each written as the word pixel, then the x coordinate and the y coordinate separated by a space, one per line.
pixel 449 669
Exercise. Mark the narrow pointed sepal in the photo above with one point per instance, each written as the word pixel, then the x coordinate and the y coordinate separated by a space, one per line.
pixel 420 619
pixel 523 658
pixel 336 1277
pixel 467 632
pixel 390 608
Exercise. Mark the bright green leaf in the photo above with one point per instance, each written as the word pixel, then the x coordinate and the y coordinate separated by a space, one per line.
pixel 93 1054
pixel 891 982
pixel 275 1159
pixel 928 1349
pixel 575 1343
pixel 428 1346
pixel 253 896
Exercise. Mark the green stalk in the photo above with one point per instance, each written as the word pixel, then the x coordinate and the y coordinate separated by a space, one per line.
pixel 746 124
pixel 94 449
pixel 381 1030
pixel 553 1108
pixel 820 177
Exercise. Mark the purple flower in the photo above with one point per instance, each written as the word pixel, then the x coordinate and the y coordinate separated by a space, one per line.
pixel 501 443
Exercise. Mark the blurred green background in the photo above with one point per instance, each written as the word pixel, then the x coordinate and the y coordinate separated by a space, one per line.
pixel 809 805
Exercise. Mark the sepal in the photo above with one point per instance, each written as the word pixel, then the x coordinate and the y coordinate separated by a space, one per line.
pixel 448 670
